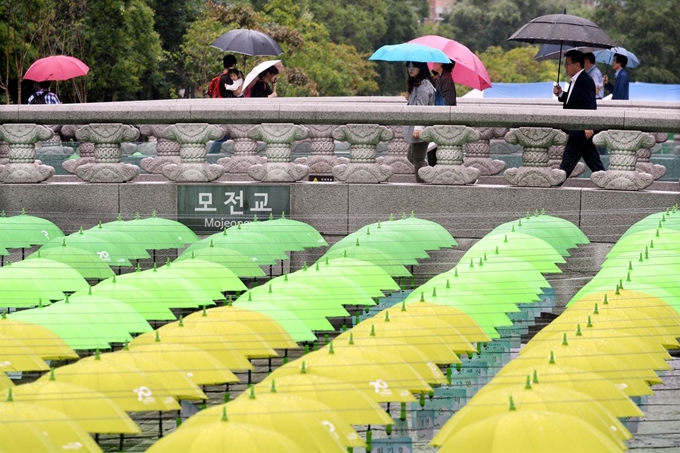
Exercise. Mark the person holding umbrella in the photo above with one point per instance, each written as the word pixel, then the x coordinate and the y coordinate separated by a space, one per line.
pixel 44 95
pixel 265 86
pixel 620 90
pixel 581 95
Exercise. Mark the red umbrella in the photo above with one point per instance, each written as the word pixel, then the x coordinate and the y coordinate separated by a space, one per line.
pixel 56 67
pixel 469 69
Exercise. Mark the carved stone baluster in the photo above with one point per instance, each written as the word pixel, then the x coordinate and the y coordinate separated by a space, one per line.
pixel 363 139
pixel 278 137
pixel 322 158
pixel 623 147
pixel 107 166
pixel 167 151
pixel 245 150
pixel 22 166
pixel 535 170
pixel 192 138
pixel 85 150
pixel 478 154
pixel 555 153
pixel 4 153
pixel 397 154
pixel 644 155
pixel 449 168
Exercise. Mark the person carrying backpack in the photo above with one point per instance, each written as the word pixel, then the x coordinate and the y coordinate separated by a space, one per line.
pixel 44 95
pixel 221 85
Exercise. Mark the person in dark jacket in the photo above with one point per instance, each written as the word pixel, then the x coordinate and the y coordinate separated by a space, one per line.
pixel 620 89
pixel 443 83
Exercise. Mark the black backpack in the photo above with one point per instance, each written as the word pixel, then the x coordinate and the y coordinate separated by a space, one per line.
pixel 38 97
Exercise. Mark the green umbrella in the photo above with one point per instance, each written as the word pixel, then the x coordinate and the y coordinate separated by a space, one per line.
pixel 207 275
pixel 531 249
pixel 151 306
pixel 557 234
pixel 653 239
pixel 506 270
pixel 392 242
pixel 258 250
pixel 428 234
pixel 26 230
pixel 154 233
pixel 77 332
pixel 668 219
pixel 304 310
pixel 129 246
pixel 367 275
pixel 335 282
pixel 385 261
pixel 323 302
pixel 174 291
pixel 669 292
pixel 237 262
pixel 21 287
pixel 106 251
pixel 273 231
pixel 289 320
pixel 122 314
pixel 86 263
pixel 628 260
pixel 304 234
pixel 59 275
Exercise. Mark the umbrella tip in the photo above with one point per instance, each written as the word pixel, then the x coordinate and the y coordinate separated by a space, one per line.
pixel 387 316
pixel 552 358
pixel 512 404
pixel 96 354
pixel 224 414
pixel 403 305
pixel 10 398
pixel 158 337
pixel 535 380
pixel 578 330
pixel 564 339
pixel 330 346
pixel 52 374
pixel 422 296
pixel 372 330
pixel 434 291
pixel 351 338
pixel 252 392
pixel 303 368
pixel 527 385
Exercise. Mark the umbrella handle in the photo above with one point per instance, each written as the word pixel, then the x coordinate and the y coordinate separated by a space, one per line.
pixel 559 64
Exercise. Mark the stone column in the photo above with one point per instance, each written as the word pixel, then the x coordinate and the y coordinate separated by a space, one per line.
pixel 193 166
pixel 643 158
pixel 449 168
pixel 85 150
pixel 278 137
pixel 535 170
pixel 245 150
pixel 478 154
pixel 167 151
pixel 362 166
pixel 555 153
pixel 623 147
pixel 107 166
pixel 397 151
pixel 322 158
pixel 22 166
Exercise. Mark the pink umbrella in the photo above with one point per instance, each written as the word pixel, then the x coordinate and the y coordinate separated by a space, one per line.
pixel 469 69
pixel 56 67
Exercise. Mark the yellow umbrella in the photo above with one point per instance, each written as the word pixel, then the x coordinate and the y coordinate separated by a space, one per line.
pixel 25 436
pixel 352 404
pixel 521 431
pixel 215 345
pixel 455 317
pixel 542 397
pixel 5 382
pixel 92 410
pixel 409 354
pixel 201 367
pixel 594 385
pixel 225 436
pixel 60 430
pixel 221 320
pixel 271 409
pixel 383 383
pixel 130 388
pixel 16 356
pixel 174 380
pixel 40 340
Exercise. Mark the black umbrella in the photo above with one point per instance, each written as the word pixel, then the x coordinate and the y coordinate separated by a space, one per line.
pixel 555 52
pixel 248 42
pixel 563 29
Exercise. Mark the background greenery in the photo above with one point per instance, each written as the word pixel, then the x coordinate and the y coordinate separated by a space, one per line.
pixel 155 49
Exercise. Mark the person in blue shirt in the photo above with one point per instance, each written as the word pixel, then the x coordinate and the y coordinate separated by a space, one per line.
pixel 620 89
pixel 44 95
pixel 594 74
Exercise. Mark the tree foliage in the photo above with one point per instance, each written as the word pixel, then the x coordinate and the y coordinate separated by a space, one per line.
pixel 517 65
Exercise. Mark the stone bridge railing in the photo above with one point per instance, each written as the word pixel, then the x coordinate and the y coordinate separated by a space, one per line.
pixel 183 127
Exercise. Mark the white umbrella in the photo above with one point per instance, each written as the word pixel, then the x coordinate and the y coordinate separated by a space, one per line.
pixel 252 75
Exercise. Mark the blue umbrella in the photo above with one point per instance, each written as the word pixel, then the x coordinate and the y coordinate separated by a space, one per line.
pixel 606 56
pixel 555 51
pixel 410 52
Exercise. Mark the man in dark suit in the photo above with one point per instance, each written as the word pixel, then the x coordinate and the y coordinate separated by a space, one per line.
pixel 620 89
pixel 581 95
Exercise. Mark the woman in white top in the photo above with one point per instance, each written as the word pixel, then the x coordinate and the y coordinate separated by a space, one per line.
pixel 420 92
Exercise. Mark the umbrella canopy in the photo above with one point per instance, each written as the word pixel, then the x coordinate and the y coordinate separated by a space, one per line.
pixel 59 275
pixel 149 305
pixel 38 339
pixel 393 242
pixel 248 42
pixel 56 67
pixel 300 232
pixel 469 69
pixel 430 234
pixel 252 75
pixel 237 262
pixel 367 275
pixel 102 248
pixel 224 436
pixel 154 233
pixel 94 411
pixel 556 51
pixel 24 436
pixel 606 56
pixel 410 52
pixel 25 287
pixel 125 243
pixel 262 251
pixel 297 328
pixel 386 261
pixel 16 356
pixel 25 230
pixel 86 263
